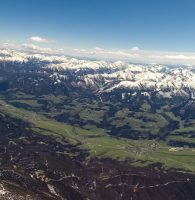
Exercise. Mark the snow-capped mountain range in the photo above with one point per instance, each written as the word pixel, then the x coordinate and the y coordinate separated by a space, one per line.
pixel 104 76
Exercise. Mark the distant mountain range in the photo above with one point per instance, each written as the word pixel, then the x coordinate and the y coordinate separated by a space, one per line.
pixel 104 77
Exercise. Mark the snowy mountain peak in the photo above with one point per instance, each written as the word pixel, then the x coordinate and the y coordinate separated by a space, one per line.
pixel 108 76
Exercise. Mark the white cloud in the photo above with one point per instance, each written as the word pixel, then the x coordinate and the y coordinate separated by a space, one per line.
pixel 38 39
pixel 137 55
pixel 105 53
pixel 135 48
pixel 98 48
pixel 132 55
pixel 36 48
pixel 174 58
pixel 180 57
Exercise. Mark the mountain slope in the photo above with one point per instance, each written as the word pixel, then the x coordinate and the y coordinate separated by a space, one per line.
pixel 86 129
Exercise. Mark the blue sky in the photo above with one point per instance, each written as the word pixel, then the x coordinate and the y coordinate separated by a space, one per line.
pixel 150 25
